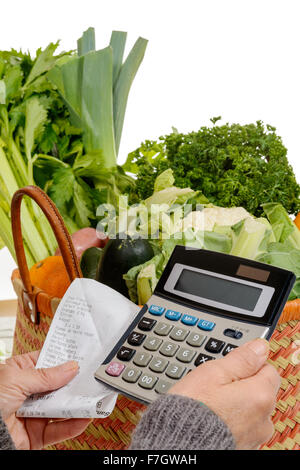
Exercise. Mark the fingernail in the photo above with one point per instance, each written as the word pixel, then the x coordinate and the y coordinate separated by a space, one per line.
pixel 70 365
pixel 260 346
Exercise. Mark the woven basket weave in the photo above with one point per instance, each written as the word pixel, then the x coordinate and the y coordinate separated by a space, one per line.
pixel 285 356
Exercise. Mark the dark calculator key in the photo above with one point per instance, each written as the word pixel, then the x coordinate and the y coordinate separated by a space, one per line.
pixel 125 354
pixel 135 338
pixel 146 324
pixel 228 348
pixel 214 345
pixel 202 358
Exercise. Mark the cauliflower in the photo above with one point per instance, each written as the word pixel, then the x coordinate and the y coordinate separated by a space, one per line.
pixel 211 216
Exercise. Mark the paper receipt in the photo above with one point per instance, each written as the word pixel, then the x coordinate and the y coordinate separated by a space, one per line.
pixel 87 324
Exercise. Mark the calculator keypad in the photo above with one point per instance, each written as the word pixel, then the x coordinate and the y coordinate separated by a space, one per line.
pixel 164 346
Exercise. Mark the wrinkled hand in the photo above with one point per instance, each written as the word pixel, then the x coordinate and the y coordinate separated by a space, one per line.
pixel 241 389
pixel 18 380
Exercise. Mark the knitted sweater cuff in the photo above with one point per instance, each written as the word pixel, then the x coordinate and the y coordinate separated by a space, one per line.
pixel 6 442
pixel 174 422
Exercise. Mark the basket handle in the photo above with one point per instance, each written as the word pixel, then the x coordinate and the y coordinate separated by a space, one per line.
pixel 62 236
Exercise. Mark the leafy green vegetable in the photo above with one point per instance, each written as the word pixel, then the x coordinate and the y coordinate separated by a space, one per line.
pixel 23 119
pixel 61 119
pixel 95 86
pixel 285 230
pixel 227 230
pixel 233 165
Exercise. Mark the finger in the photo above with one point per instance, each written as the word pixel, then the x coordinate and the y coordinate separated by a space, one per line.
pixel 244 361
pixel 46 379
pixel 24 361
pixel 59 431
pixel 267 383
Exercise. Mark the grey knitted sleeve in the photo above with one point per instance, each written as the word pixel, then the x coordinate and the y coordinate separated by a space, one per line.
pixel 175 422
pixel 6 442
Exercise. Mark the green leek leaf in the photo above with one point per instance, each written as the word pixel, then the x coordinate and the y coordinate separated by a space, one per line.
pixel 117 43
pixel 123 84
pixel 97 105
pixel 87 42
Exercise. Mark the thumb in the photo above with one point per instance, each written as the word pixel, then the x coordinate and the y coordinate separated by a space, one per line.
pixel 46 379
pixel 244 361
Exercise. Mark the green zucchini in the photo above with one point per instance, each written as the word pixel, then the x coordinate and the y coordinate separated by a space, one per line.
pixel 120 255
pixel 89 261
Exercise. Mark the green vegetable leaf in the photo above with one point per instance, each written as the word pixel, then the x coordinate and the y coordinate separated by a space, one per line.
pixel 83 205
pixel 87 42
pixel 164 180
pixel 35 119
pixel 123 84
pixel 44 62
pixel 117 43
pixel 62 189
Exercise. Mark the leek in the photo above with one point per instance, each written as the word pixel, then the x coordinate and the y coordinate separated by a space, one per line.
pixel 95 86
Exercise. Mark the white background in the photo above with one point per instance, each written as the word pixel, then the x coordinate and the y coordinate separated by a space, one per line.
pixel 205 58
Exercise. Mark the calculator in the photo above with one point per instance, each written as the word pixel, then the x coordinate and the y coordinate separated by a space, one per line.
pixel 205 304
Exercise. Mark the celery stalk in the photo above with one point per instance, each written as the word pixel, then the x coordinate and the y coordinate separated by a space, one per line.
pixel 30 232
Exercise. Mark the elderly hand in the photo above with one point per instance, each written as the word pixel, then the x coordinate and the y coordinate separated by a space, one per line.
pixel 18 380
pixel 240 388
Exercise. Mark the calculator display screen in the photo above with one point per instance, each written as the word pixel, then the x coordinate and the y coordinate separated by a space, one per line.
pixel 218 289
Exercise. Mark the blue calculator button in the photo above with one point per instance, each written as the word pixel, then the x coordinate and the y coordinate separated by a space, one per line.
pixel 189 320
pixel 156 310
pixel 172 315
pixel 206 325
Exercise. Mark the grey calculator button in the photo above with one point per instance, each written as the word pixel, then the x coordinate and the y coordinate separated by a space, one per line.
pixel 131 374
pixel 163 329
pixel 162 386
pixel 185 355
pixel 179 334
pixel 158 364
pixel 147 381
pixel 142 359
pixel 169 349
pixel 175 371
pixel 195 339
pixel 152 343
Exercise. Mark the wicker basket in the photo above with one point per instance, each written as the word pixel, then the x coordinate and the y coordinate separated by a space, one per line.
pixel 285 356
pixel 34 315
pixel 114 432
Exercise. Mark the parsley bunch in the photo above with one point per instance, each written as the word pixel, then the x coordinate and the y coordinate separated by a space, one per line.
pixel 233 165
